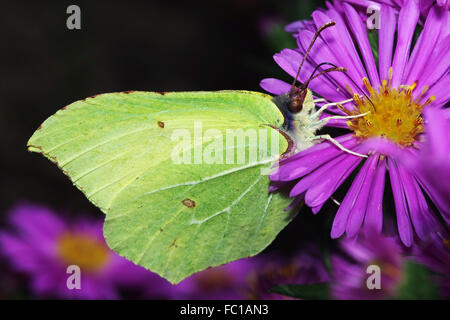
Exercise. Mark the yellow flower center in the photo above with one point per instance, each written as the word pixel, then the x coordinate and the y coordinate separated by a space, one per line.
pixel 388 269
pixel 84 251
pixel 392 113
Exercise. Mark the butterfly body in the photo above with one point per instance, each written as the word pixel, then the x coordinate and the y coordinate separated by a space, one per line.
pixel 300 119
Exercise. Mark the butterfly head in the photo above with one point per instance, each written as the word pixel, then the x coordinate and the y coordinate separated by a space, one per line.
pixel 291 103
pixel 296 97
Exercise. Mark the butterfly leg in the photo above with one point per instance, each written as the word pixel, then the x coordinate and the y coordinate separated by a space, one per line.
pixel 317 114
pixel 325 120
pixel 337 144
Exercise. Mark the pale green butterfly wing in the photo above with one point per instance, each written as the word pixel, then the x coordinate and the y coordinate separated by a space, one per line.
pixel 174 202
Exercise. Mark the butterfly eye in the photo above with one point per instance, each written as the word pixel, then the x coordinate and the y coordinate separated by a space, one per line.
pixel 296 105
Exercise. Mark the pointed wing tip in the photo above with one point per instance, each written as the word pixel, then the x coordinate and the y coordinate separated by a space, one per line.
pixel 32 147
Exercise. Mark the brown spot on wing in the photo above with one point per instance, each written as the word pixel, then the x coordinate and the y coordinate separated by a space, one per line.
pixel 160 124
pixel 188 203
pixel 174 244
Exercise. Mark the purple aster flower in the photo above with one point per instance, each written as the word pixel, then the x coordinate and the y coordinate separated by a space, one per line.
pixel 251 278
pixel 389 108
pixel 350 275
pixel 304 268
pixel 434 253
pixel 42 245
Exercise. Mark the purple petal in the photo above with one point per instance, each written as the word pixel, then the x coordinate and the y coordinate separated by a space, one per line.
pixel 275 185
pixel 296 26
pixel 374 214
pixel 411 199
pixel 289 60
pixel 382 146
pixel 296 169
pixel 443 204
pixel 316 210
pixel 401 207
pixel 431 75
pixel 313 156
pixel 275 86
pixel 431 224
pixel 407 21
pixel 34 220
pixel 386 34
pixel 438 143
pixel 296 201
pixel 358 29
pixel 421 56
pixel 319 147
pixel 357 213
pixel 440 91
pixel 315 176
pixel 345 42
pixel 320 52
pixel 329 182
pixel 340 44
pixel 340 220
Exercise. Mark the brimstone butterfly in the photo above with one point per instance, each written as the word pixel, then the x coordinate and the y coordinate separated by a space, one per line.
pixel 177 194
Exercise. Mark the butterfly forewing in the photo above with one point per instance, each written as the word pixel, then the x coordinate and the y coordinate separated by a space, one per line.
pixel 181 188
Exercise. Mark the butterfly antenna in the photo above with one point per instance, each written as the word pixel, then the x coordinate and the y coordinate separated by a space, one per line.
pixel 336 68
pixel 316 35
pixel 314 75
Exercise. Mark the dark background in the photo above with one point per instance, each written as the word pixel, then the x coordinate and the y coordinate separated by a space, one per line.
pixel 128 45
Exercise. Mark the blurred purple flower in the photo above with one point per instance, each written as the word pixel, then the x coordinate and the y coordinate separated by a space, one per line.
pixel 224 282
pixel 433 163
pixel 434 253
pixel 350 274
pixel 251 278
pixel 304 268
pixel 267 23
pixel 399 89
pixel 42 245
